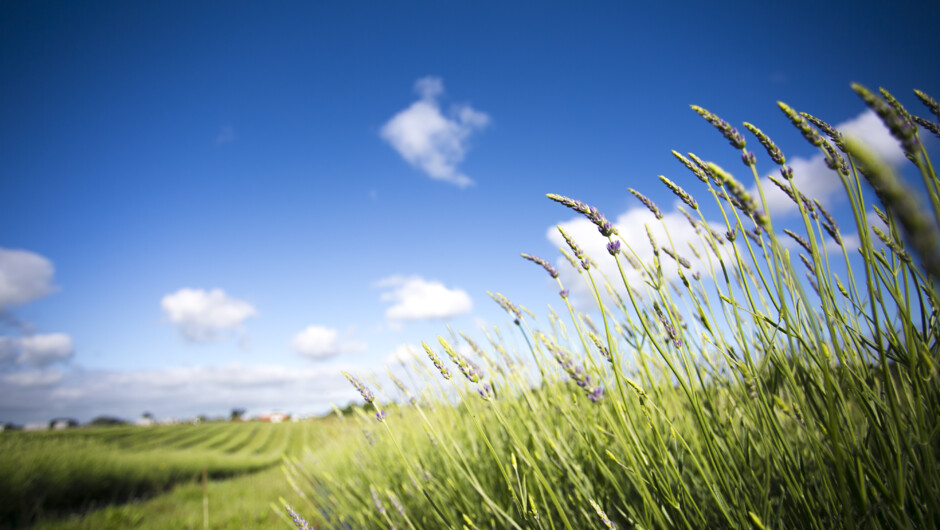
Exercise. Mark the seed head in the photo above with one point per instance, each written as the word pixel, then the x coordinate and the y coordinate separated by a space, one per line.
pixel 800 122
pixel 649 234
pixel 929 101
pixel 508 306
pixel 681 193
pixel 437 361
pixel 396 503
pixel 545 265
pixel 575 248
pixel 648 203
pixel 600 346
pixel 775 153
pixel 377 501
pixel 600 513
pixel 298 520
pixel 830 131
pixel 729 132
pixel 603 225
pixel 363 389
pixel 692 167
pixel 829 222
pixel 929 125
pixel 748 158
pixel 799 239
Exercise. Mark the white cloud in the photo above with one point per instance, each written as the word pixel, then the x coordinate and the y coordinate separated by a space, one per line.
pixel 24 277
pixel 180 392
pixel 869 128
pixel 42 350
pixel 319 342
pixel 431 141
pixel 401 355
pixel 32 378
pixel 202 315
pixel 814 178
pixel 36 350
pixel 415 298
pixel 226 135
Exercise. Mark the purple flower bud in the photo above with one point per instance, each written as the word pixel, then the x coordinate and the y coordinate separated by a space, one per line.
pixel 564 293
pixel 787 172
pixel 613 247
pixel 749 159
pixel 380 415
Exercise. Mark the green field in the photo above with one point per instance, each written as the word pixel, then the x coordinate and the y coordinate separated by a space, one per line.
pixel 149 477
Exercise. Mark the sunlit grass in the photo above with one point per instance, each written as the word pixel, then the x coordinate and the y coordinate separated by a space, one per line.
pixel 50 474
pixel 758 386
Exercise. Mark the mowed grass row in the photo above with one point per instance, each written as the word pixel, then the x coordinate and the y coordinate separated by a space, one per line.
pixel 48 474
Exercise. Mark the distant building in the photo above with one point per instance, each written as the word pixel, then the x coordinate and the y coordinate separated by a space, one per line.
pixel 60 424
pixel 274 417
pixel 43 426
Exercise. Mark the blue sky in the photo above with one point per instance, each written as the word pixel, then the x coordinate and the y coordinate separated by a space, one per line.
pixel 215 205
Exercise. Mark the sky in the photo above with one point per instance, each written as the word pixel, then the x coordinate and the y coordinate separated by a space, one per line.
pixel 217 205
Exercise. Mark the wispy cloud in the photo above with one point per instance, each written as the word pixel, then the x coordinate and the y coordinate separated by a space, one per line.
pixel 226 135
pixel 203 316
pixel 320 342
pixel 414 298
pixel 431 141
pixel 32 395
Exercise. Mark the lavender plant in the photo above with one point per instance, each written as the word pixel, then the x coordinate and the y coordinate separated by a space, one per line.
pixel 746 388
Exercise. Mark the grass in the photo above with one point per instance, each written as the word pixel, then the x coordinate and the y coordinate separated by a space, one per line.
pixel 233 503
pixel 49 475
pixel 781 379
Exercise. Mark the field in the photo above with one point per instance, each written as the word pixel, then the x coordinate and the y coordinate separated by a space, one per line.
pixel 786 377
pixel 150 474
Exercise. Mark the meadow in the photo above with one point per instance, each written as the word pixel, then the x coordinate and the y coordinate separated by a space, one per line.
pixel 784 377
pixel 769 374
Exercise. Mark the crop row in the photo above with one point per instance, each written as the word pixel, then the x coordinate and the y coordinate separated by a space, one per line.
pixel 50 473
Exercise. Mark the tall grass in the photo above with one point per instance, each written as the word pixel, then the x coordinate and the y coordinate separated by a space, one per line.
pixel 756 386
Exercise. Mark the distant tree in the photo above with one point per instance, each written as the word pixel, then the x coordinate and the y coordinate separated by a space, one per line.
pixel 237 414
pixel 106 420
pixel 147 415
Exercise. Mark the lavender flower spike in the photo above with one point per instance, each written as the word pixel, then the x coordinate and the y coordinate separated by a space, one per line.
pixel 732 134
pixel 600 513
pixel 613 247
pixel 648 203
pixel 363 389
pixel 437 361
pixel 603 225
pixel 299 521
pixel 545 264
